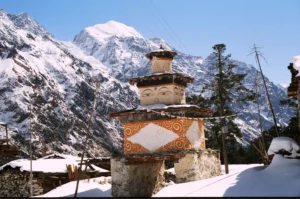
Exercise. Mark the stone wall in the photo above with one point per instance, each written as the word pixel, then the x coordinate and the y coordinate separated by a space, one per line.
pixel 198 165
pixel 142 180
pixel 13 183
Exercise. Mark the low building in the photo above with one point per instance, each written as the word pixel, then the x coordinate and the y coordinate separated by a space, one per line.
pixel 48 173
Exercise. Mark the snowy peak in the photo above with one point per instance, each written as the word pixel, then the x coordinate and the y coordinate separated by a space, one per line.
pixel 112 28
pixel 26 22
pixel 59 80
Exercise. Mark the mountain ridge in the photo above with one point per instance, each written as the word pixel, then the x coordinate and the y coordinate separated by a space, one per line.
pixel 125 61
pixel 59 77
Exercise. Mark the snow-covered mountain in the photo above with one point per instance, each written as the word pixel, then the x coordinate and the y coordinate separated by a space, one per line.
pixel 58 78
pixel 122 50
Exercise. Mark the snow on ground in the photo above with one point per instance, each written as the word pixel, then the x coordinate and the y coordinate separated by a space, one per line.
pixel 280 178
pixel 85 189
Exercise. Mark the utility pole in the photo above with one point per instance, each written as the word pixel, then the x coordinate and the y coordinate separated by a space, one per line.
pixel 258 112
pixel 262 147
pixel 221 112
pixel 257 54
pixel 86 139
pixel 30 147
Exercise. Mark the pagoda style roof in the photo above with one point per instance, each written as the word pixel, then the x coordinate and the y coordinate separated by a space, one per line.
pixel 161 78
pixel 161 111
pixel 162 53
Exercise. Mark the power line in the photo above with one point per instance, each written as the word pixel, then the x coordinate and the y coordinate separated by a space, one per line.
pixel 168 25
pixel 159 20
pixel 149 20
pixel 184 62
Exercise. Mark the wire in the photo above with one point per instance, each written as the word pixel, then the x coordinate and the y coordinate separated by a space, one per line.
pixel 167 24
pixel 159 20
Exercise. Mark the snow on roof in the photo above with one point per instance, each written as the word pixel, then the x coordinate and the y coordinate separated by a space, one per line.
pixel 159 73
pixel 63 156
pixel 164 106
pixel 49 165
pixel 103 31
pixel 285 143
pixel 296 63
pixel 162 50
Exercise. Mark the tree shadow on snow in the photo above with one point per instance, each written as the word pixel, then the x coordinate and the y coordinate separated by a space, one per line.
pixel 249 183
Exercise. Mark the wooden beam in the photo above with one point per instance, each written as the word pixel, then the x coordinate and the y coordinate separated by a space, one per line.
pixel 9 153
pixel 152 159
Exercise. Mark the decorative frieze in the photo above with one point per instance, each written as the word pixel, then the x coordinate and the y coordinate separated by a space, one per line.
pixel 163 135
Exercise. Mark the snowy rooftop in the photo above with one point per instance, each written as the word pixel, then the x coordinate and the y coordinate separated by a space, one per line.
pixel 48 165
pixel 296 63
pixel 159 107
pixel 164 106
pixel 158 74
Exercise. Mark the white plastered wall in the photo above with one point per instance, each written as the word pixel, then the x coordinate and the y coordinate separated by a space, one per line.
pixel 161 65
pixel 163 94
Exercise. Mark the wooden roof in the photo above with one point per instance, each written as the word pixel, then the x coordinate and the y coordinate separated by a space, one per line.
pixel 203 112
pixel 161 53
pixel 150 79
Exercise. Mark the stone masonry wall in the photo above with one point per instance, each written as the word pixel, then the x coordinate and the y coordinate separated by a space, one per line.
pixel 13 183
pixel 142 180
pixel 198 165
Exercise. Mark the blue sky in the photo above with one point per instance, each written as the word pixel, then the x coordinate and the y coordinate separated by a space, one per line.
pixel 196 25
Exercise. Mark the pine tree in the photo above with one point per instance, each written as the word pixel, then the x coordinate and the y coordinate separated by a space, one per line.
pixel 226 90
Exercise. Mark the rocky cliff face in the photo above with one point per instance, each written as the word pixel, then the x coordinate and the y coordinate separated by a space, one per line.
pixel 58 80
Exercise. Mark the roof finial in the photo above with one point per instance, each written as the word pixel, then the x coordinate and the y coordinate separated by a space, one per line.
pixel 161 47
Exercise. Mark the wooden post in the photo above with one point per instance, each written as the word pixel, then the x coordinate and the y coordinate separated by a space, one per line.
pixel 6 134
pixel 221 112
pixel 87 133
pixel 259 118
pixel 30 148
pixel 265 86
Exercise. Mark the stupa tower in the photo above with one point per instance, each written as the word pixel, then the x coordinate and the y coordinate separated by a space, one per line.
pixel 162 127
